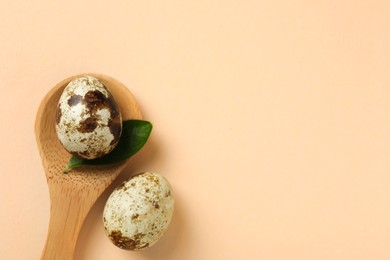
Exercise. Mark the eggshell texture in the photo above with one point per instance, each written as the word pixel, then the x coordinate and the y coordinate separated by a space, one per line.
pixel 139 211
pixel 88 120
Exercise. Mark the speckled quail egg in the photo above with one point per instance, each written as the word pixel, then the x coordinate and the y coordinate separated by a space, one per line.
pixel 139 211
pixel 88 120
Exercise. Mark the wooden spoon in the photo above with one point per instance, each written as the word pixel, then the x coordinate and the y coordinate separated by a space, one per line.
pixel 72 195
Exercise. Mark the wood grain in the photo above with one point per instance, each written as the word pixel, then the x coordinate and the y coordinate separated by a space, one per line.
pixel 72 195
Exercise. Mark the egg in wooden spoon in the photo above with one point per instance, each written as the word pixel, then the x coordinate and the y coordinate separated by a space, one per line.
pixel 72 195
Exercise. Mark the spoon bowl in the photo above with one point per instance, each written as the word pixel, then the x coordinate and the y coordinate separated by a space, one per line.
pixel 72 195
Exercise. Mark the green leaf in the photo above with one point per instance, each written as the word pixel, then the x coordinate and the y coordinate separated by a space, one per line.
pixel 135 133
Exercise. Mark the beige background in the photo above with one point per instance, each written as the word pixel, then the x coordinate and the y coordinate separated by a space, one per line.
pixel 271 121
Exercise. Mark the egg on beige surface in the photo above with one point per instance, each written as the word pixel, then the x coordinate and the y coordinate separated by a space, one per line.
pixel 139 211
pixel 88 119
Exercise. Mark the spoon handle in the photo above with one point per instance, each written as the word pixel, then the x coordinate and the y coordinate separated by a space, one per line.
pixel 68 210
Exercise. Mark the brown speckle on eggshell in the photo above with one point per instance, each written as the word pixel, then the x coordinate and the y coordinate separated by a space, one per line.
pixel 88 120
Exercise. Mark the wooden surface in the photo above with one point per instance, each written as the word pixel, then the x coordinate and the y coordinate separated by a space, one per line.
pixel 72 195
